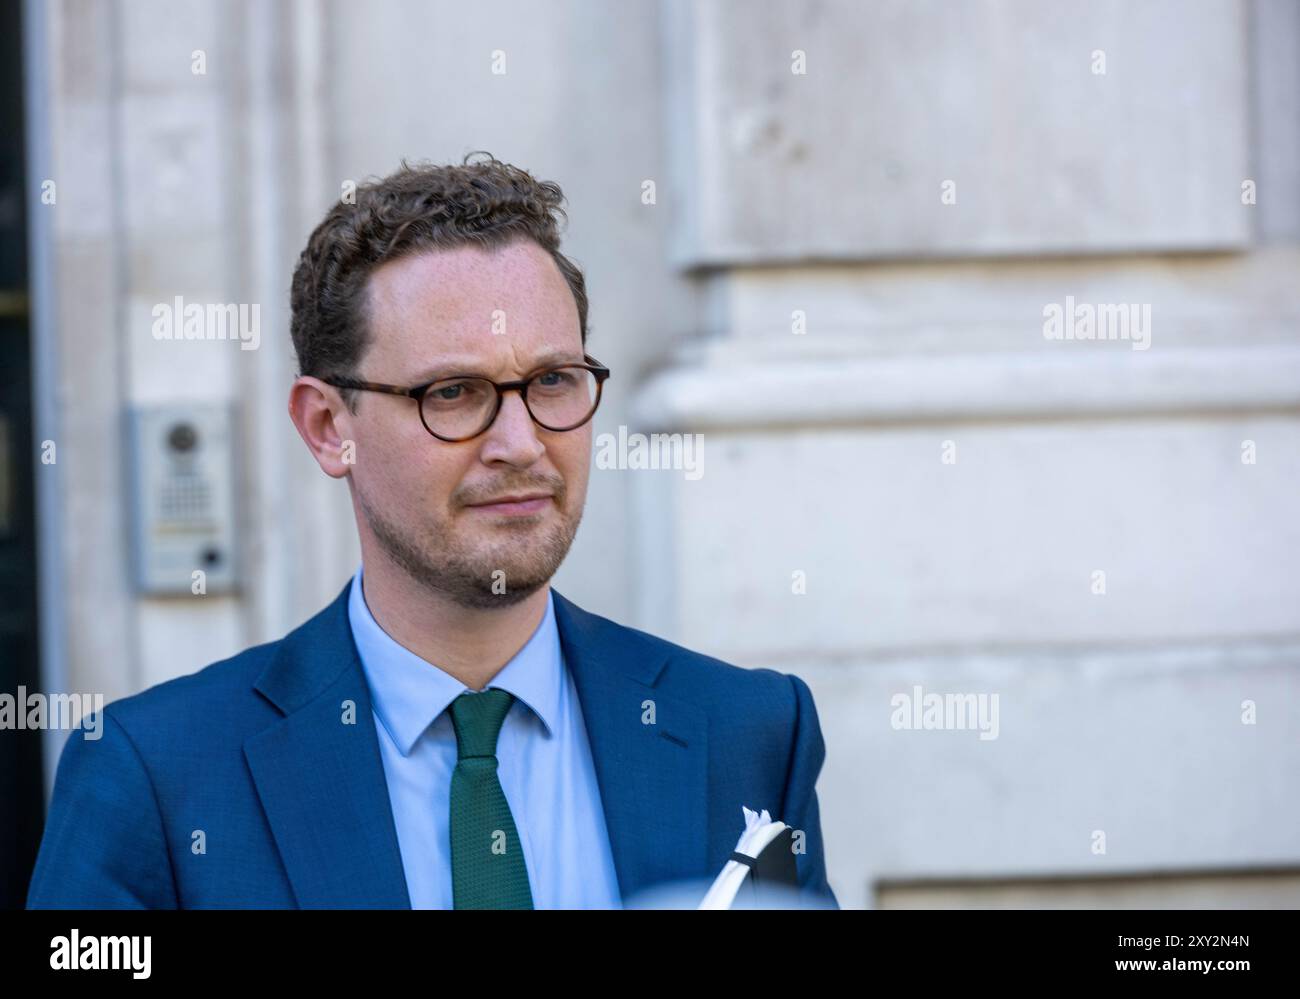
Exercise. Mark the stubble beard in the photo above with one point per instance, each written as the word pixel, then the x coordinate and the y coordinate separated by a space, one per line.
pixel 520 558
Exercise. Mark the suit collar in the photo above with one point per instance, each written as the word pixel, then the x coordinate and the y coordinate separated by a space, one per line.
pixel 307 660
pixel 320 776
pixel 409 692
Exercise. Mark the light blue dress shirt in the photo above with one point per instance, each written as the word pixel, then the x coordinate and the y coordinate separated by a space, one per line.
pixel 546 769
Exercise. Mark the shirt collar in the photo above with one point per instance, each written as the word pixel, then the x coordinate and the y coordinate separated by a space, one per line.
pixel 410 693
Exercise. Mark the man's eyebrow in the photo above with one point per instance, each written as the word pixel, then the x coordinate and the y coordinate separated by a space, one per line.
pixel 465 365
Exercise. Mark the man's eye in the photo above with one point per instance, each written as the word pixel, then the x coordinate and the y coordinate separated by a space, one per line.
pixel 461 392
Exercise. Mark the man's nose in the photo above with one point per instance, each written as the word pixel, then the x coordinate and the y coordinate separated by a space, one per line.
pixel 512 438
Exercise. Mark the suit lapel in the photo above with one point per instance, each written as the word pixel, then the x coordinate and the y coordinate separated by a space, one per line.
pixel 321 779
pixel 652 777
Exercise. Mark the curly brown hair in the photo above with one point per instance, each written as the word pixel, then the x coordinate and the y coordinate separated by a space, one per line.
pixel 416 208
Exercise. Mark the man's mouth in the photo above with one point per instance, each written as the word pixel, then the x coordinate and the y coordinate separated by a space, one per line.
pixel 515 505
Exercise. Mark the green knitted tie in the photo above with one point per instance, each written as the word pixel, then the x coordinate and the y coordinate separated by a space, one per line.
pixel 487 860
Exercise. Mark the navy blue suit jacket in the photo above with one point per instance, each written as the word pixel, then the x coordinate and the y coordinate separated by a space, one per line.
pixel 240 786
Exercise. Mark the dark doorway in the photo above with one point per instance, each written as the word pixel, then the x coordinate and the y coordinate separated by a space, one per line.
pixel 22 796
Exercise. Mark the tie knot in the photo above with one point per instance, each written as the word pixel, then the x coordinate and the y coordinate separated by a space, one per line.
pixel 477 717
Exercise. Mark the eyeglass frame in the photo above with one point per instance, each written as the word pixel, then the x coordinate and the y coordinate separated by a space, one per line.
pixel 417 393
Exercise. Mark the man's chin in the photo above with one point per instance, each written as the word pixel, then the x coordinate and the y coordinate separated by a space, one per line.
pixel 515 595
pixel 498 593
pixel 506 573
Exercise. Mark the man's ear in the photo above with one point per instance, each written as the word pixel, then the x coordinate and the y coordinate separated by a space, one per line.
pixel 324 423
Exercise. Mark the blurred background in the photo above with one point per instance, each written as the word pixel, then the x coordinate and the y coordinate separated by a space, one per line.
pixel 836 239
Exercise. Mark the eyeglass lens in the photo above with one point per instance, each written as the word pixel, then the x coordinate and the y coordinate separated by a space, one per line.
pixel 558 399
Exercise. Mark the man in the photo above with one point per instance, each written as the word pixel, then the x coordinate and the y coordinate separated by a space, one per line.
pixel 450 731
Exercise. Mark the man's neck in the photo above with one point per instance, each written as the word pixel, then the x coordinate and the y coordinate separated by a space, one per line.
pixel 472 645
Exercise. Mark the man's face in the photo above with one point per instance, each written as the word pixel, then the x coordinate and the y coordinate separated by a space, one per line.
pixel 420 498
